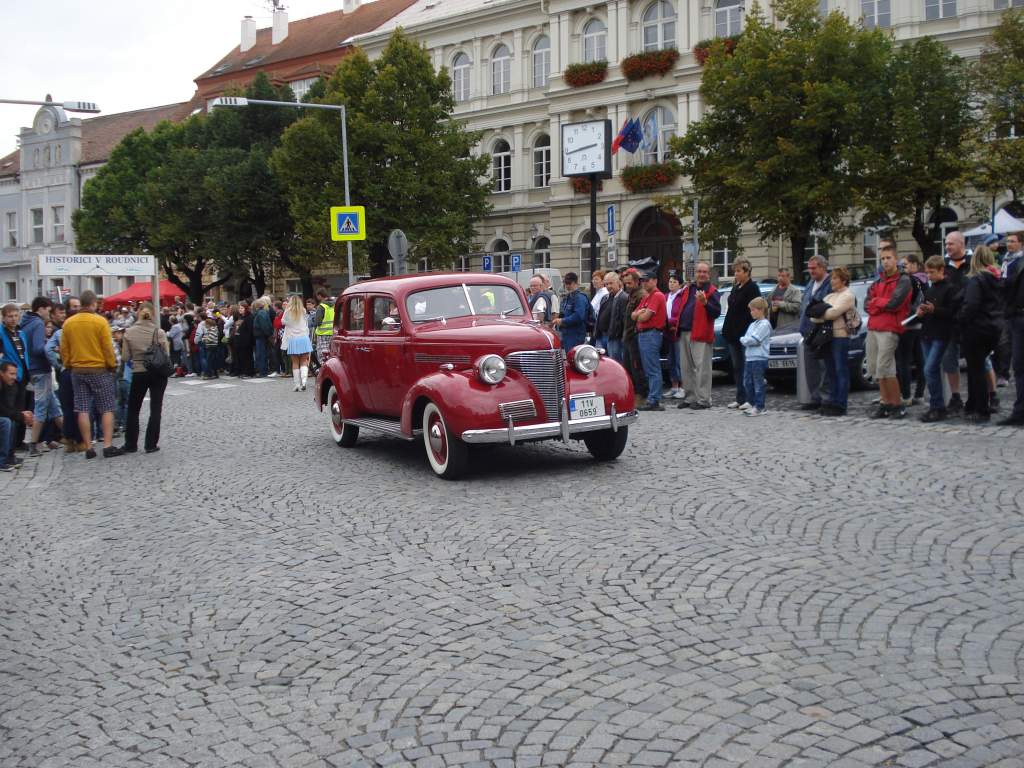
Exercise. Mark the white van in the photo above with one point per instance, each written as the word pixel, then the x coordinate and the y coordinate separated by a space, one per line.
pixel 523 277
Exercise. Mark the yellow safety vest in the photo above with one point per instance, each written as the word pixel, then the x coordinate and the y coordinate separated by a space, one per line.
pixel 326 327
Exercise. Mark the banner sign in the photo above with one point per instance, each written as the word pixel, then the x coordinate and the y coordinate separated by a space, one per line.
pixel 53 264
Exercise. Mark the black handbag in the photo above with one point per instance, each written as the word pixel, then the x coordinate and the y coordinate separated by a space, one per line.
pixel 819 339
pixel 156 359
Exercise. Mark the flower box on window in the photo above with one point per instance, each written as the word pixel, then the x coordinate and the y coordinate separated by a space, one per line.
pixel 641 65
pixel 645 178
pixel 589 73
pixel 581 185
pixel 702 49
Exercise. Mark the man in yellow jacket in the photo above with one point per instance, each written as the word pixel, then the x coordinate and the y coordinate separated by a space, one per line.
pixel 87 350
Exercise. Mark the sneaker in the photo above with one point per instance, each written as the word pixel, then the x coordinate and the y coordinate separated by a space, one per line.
pixel 916 400
pixel 993 402
pixel 652 407
pixel 956 405
pixel 679 394
pixel 882 412
pixel 1002 382
pixel 190 375
pixel 753 411
pixel 898 413
pixel 303 387
pixel 700 406
pixel 876 401
pixel 733 404
pixel 272 375
pixel 746 407
pixel 34 452
pixel 7 468
pixel 907 401
pixel 53 446
pixel 684 404
pixel 112 451
pixel 934 415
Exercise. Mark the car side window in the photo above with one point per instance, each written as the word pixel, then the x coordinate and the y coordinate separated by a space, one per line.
pixel 354 314
pixel 385 315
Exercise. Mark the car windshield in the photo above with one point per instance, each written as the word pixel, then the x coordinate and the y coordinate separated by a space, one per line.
pixel 463 301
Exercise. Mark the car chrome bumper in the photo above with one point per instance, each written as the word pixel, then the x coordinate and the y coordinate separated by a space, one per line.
pixel 564 428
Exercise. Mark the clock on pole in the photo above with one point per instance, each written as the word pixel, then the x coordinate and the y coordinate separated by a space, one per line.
pixel 587 151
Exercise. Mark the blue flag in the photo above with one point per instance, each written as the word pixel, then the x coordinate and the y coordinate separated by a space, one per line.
pixel 633 135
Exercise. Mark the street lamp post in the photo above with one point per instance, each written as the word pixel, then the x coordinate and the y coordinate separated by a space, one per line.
pixel 241 101
pixel 88 107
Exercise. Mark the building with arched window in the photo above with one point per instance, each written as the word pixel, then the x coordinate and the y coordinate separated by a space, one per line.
pixel 508 62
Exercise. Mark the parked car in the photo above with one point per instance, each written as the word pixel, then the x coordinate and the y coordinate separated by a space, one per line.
pixel 783 346
pixel 720 360
pixel 455 360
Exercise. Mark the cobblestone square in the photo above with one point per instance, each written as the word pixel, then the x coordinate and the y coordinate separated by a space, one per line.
pixel 779 591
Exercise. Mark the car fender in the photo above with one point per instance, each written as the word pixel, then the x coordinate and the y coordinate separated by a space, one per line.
pixel 333 372
pixel 464 400
pixel 610 380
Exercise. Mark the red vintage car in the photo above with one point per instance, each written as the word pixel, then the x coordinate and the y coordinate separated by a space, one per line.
pixel 456 359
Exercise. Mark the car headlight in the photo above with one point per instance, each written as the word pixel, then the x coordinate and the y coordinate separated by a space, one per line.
pixel 491 369
pixel 585 358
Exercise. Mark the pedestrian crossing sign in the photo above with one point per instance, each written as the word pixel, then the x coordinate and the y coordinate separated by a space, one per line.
pixel 348 222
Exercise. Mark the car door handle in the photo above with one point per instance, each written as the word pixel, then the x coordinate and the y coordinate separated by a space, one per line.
pixel 362 349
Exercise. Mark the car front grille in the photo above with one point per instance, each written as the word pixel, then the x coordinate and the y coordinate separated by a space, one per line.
pixel 518 410
pixel 545 368
pixel 782 350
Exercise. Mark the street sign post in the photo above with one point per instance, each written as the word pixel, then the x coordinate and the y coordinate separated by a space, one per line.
pixel 517 261
pixel 611 220
pixel 348 222
pixel 398 247
pixel 488 264
pixel 613 253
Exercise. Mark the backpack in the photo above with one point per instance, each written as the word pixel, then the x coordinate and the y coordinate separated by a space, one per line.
pixel 156 359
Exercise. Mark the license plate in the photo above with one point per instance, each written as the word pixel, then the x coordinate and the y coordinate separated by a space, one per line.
pixel 586 407
pixel 782 363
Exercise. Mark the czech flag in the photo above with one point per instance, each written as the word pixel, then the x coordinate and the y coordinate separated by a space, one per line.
pixel 630 136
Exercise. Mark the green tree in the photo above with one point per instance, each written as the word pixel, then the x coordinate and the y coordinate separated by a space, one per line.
pixel 1000 85
pixel 918 156
pixel 410 162
pixel 786 113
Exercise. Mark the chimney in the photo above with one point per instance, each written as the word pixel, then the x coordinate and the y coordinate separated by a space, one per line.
pixel 248 34
pixel 280 28
pixel 351 5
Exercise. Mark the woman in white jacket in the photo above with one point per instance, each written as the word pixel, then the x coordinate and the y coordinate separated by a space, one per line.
pixel 295 341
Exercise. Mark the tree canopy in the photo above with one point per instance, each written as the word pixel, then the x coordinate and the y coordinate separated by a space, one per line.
pixel 410 162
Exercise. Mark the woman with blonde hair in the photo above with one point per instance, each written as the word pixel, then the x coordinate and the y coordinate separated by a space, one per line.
pixel 295 341
pixel 143 334
pixel 980 320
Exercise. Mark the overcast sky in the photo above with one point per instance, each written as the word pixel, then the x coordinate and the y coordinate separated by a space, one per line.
pixel 121 54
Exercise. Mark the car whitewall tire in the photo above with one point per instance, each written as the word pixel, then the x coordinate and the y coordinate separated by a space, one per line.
pixel 343 434
pixel 447 454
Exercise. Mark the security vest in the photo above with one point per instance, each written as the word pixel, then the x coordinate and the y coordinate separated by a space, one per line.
pixel 326 327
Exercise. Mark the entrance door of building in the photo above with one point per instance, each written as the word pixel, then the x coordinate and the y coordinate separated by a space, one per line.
pixel 656 234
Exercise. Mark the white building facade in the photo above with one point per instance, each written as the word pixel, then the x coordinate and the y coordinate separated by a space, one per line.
pixel 508 60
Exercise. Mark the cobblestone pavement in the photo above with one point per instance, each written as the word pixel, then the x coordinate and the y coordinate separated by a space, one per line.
pixel 781 591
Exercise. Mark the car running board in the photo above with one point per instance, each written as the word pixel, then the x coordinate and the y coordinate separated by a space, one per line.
pixel 392 427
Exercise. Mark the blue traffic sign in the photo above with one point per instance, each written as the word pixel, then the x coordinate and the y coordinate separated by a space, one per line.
pixel 517 261
pixel 487 263
pixel 611 219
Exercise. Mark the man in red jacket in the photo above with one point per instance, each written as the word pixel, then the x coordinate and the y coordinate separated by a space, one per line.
pixel 888 303
pixel 700 307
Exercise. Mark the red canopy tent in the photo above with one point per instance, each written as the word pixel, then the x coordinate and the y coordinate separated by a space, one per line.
pixel 143 291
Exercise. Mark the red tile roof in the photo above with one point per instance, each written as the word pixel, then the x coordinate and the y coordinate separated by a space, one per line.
pixel 307 37
pixel 101 134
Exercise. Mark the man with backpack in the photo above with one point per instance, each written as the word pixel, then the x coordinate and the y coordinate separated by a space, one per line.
pixel 575 311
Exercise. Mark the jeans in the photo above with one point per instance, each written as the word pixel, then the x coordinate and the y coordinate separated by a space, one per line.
pixel 615 350
pixel 650 358
pixel 212 360
pixel 837 367
pixel 6 441
pixel 934 351
pixel 261 356
pixel 631 360
pixel 142 382
pixel 200 359
pixel 1017 344
pixel 753 382
pixel 738 356
pixel 46 405
pixel 121 412
pixel 675 374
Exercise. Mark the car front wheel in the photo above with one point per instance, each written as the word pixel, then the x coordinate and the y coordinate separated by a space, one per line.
pixel 606 445
pixel 448 456
pixel 343 434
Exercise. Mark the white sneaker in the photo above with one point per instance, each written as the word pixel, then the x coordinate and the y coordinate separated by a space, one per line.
pixel 678 393
pixel 272 375
pixel 754 412
pixel 733 404
pixel 190 375
pixel 747 407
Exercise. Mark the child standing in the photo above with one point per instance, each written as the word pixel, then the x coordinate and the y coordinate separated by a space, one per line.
pixel 756 343
pixel 211 344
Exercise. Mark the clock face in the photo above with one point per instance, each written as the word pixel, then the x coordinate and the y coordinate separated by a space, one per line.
pixel 44 124
pixel 586 148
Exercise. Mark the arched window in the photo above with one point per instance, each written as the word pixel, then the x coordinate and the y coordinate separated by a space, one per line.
pixel 502 257
pixel 542 161
pixel 541 61
pixel 659 126
pixel 501 162
pixel 501 70
pixel 542 253
pixel 876 13
pixel 659 26
pixel 461 67
pixel 729 17
pixel 595 39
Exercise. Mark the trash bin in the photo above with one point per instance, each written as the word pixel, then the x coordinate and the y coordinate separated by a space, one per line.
pixel 803 390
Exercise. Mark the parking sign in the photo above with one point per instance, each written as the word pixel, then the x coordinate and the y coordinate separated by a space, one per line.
pixel 487 263
pixel 517 261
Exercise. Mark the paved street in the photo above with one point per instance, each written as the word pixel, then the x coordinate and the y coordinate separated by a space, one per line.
pixel 781 591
